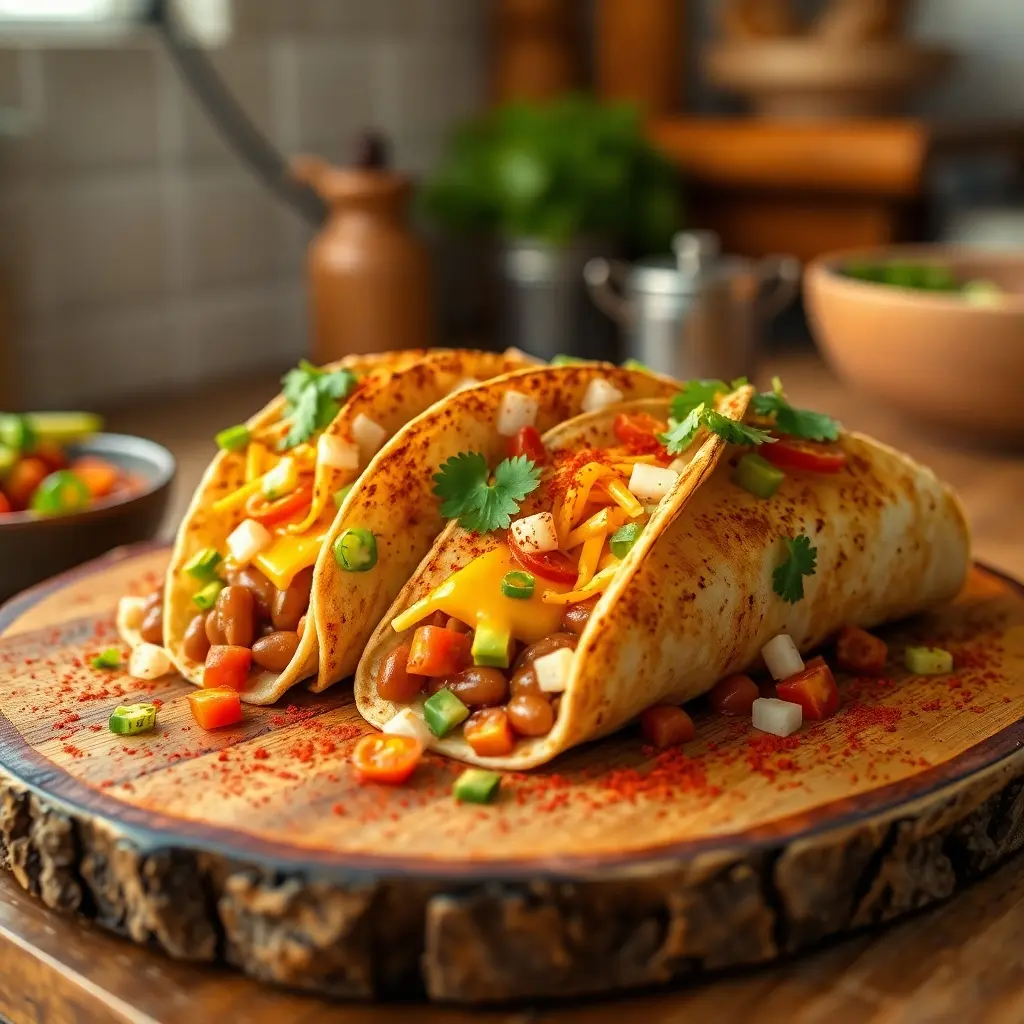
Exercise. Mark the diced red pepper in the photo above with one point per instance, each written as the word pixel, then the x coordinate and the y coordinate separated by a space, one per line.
pixel 23 479
pixel 395 682
pixel 734 695
pixel 489 733
pixel 858 651
pixel 665 726
pixel 812 456
pixel 227 665
pixel 213 709
pixel 639 431
pixel 437 651
pixel 386 758
pixel 98 475
pixel 528 442
pixel 814 690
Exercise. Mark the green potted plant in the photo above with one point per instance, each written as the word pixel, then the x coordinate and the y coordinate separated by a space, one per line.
pixel 555 184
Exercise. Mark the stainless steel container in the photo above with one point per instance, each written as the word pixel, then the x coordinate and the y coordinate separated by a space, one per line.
pixel 545 309
pixel 700 315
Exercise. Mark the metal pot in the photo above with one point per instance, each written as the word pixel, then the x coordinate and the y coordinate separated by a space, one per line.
pixel 699 316
pixel 544 305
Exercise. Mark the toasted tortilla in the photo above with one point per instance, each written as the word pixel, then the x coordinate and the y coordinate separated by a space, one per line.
pixel 694 599
pixel 394 497
pixel 393 388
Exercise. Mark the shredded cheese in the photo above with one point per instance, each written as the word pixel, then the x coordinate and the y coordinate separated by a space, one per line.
pixel 236 499
pixel 254 456
pixel 607 520
pixel 589 557
pixel 596 586
pixel 569 512
pixel 622 495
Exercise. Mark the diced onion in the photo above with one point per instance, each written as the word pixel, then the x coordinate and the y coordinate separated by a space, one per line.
pixel 515 412
pixel 408 723
pixel 536 534
pixel 782 657
pixel 466 382
pixel 600 394
pixel 131 611
pixel 368 434
pixel 651 483
pixel 337 453
pixel 247 540
pixel 148 662
pixel 552 670
pixel 679 464
pixel 778 717
pixel 281 480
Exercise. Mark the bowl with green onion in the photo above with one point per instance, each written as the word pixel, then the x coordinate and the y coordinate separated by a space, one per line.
pixel 935 332
pixel 70 492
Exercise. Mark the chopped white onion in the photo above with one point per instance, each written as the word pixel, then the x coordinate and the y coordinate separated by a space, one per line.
pixel 369 435
pixel 247 540
pixel 651 483
pixel 281 480
pixel 466 382
pixel 149 662
pixel 515 412
pixel 536 534
pixel 131 611
pixel 779 717
pixel 408 723
pixel 600 394
pixel 782 657
pixel 337 453
pixel 552 670
pixel 679 464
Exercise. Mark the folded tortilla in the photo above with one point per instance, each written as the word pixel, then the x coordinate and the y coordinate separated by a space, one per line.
pixel 693 601
pixel 394 498
pixel 392 388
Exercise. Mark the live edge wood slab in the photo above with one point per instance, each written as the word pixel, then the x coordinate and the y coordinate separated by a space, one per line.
pixel 614 870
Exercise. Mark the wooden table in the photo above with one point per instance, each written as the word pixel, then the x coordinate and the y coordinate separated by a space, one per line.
pixel 958 963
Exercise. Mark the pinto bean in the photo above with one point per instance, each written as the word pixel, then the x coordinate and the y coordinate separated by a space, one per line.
pixel 396 682
pixel 479 686
pixel 546 646
pixel 263 591
pixel 530 715
pixel 214 630
pixel 152 628
pixel 195 643
pixel 275 651
pixel 577 615
pixel 235 609
pixel 290 605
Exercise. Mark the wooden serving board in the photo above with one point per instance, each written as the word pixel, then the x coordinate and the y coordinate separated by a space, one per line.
pixel 616 868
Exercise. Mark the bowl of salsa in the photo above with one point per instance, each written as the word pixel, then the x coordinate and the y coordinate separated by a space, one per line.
pixel 70 492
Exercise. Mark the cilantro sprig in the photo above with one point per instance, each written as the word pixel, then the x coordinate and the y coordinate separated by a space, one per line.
pixel 312 399
pixel 701 392
pixel 681 434
pixel 802 423
pixel 465 494
pixel 801 560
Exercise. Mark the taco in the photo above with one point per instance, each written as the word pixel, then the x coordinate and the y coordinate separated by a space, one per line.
pixel 393 502
pixel 627 580
pixel 240 580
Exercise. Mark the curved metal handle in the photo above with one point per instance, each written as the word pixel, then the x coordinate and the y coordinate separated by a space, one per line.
pixel 780 277
pixel 604 282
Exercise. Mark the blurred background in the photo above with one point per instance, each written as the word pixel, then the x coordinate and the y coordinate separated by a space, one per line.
pixel 141 255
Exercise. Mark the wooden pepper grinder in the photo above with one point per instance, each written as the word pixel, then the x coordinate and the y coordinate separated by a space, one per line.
pixel 369 275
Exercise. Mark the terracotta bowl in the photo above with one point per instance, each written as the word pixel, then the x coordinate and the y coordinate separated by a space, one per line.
pixel 945 362
pixel 34 548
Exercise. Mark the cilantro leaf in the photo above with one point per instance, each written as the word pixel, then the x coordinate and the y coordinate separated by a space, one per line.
pixel 701 392
pixel 337 385
pixel 312 400
pixel 303 418
pixel 803 423
pixel 680 434
pixel 801 561
pixel 462 486
pixel 734 432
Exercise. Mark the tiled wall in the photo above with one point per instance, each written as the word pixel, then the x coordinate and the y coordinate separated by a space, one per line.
pixel 137 253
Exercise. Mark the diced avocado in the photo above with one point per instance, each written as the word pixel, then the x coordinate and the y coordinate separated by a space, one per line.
pixel 491 646
pixel 757 476
pixel 443 711
pixel 928 661
pixel 476 786
pixel 16 432
pixel 203 565
pixel 63 427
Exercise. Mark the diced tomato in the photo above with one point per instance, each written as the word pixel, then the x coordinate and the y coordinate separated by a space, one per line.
pixel 227 666
pixel 814 690
pixel 386 758
pixel 734 695
pixel 552 565
pixel 99 476
pixel 269 513
pixel 25 476
pixel 394 682
pixel 665 726
pixel 528 442
pixel 5 505
pixel 489 733
pixel 813 456
pixel 858 651
pixel 437 651
pixel 52 454
pixel 213 709
pixel 638 431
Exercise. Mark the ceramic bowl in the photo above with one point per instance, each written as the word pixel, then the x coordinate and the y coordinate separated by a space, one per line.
pixel 33 548
pixel 945 362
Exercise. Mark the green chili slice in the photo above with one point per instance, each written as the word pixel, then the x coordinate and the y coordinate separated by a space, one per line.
pixel 519 585
pixel 356 550
pixel 110 658
pixel 233 439
pixel 622 540
pixel 59 493
pixel 203 565
pixel 206 598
